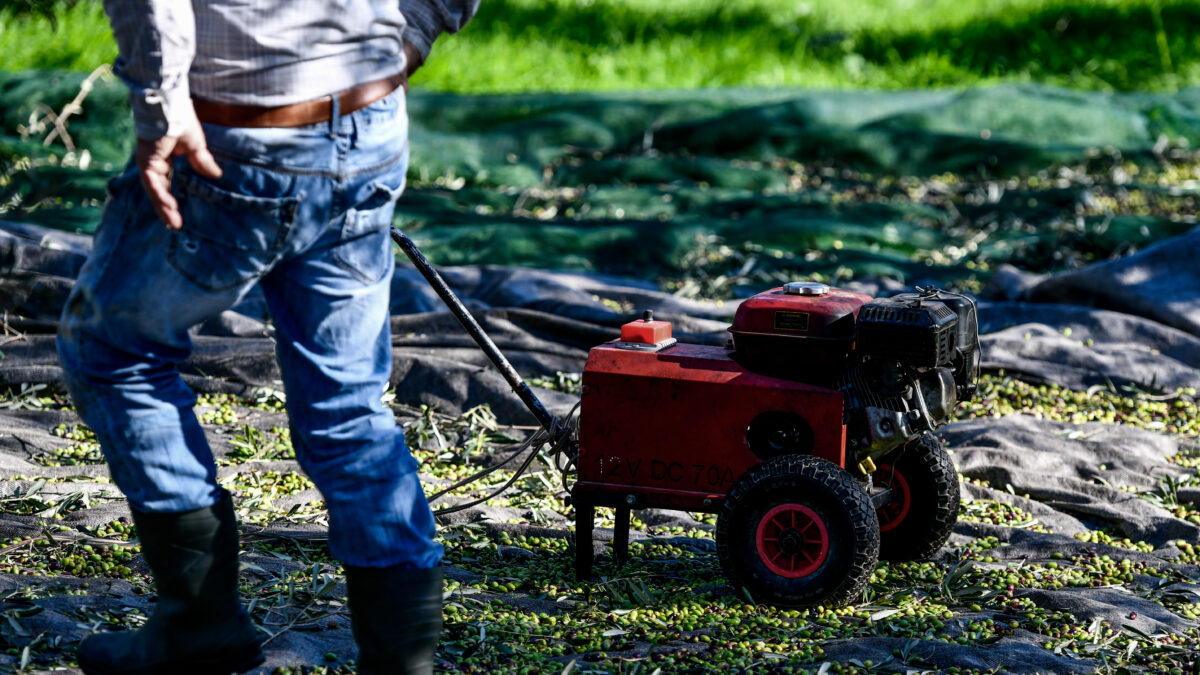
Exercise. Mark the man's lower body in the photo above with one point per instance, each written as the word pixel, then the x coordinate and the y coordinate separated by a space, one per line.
pixel 304 213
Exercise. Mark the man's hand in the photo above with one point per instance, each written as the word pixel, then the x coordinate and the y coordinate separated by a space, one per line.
pixel 154 166
pixel 412 57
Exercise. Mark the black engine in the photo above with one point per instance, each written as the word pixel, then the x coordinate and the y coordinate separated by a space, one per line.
pixel 916 356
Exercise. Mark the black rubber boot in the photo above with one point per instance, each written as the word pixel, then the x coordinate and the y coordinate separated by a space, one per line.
pixel 396 614
pixel 198 625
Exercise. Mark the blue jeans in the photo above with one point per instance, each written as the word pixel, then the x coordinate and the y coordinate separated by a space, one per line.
pixel 304 213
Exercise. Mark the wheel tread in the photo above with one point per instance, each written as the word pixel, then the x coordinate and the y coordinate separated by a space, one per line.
pixel 840 483
pixel 933 479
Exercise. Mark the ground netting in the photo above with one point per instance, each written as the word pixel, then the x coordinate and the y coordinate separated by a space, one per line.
pixel 560 217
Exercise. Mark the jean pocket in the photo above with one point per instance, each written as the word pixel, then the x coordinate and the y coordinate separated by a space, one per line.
pixel 118 186
pixel 365 249
pixel 228 239
pixel 118 192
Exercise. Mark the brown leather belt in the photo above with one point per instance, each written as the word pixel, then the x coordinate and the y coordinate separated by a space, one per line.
pixel 297 114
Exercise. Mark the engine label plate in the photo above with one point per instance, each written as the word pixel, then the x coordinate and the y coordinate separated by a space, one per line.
pixel 791 321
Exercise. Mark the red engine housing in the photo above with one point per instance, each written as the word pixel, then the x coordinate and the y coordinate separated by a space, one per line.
pixel 783 333
pixel 679 426
pixel 669 428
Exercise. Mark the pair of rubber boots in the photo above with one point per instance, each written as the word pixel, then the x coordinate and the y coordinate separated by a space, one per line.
pixel 199 626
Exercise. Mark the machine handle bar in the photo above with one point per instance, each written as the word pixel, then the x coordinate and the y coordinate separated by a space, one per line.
pixel 522 390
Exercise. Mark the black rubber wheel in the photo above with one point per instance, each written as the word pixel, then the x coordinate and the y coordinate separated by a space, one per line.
pixel 924 503
pixel 798 531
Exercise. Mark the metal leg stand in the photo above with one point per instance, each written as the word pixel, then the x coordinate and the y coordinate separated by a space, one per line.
pixel 621 536
pixel 584 515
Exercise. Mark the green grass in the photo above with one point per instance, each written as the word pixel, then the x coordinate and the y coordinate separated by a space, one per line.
pixel 78 38
pixel 561 45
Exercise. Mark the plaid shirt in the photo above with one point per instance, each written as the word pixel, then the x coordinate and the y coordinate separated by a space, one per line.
pixel 263 53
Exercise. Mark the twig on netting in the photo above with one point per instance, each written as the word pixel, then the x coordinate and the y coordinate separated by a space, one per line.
pixel 59 119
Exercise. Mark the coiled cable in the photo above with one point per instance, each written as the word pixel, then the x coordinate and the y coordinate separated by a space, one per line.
pixel 562 438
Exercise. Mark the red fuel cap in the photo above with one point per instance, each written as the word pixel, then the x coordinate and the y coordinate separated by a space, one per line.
pixel 646 330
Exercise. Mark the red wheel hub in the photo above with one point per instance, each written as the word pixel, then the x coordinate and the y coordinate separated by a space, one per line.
pixel 891 515
pixel 792 540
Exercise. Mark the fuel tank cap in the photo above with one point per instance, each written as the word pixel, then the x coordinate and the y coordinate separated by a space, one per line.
pixel 806 288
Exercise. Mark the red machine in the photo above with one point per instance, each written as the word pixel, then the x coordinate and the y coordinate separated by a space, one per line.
pixel 809 434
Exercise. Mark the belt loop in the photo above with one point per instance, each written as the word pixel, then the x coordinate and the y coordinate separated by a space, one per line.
pixel 334 112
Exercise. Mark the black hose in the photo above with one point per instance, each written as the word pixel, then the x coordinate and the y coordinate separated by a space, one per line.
pixel 560 446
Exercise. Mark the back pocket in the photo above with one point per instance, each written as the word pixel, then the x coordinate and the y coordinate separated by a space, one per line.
pixel 228 239
pixel 365 249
